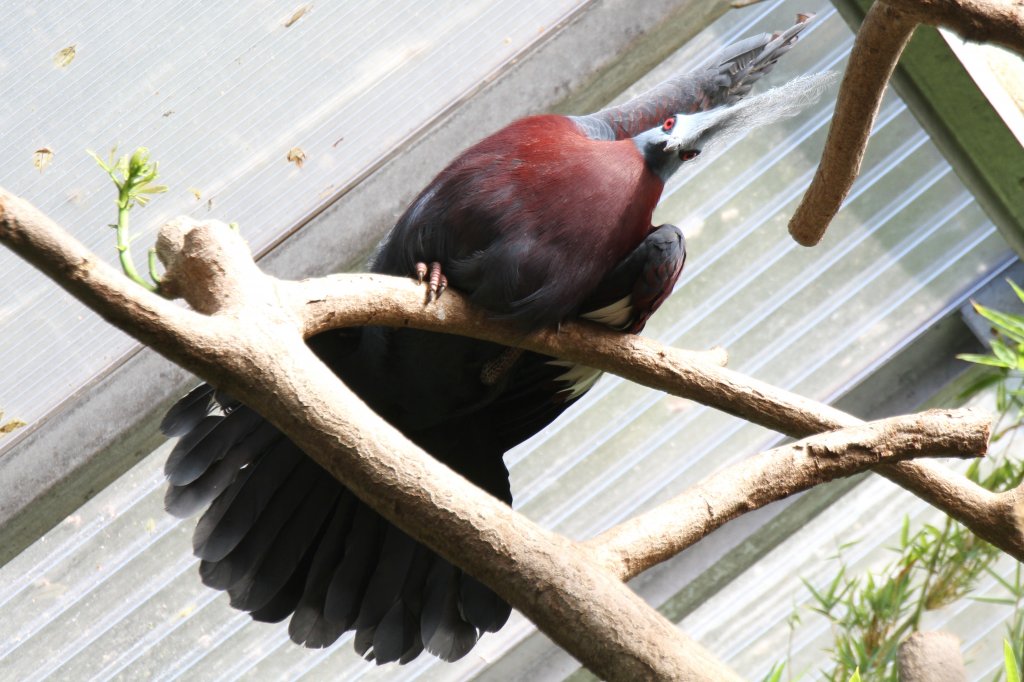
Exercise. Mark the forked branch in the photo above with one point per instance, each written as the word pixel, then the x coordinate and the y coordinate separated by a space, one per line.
pixel 879 44
pixel 246 337
pixel 883 35
pixel 659 534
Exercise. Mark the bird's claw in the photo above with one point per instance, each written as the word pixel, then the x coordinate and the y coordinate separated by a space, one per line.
pixel 436 281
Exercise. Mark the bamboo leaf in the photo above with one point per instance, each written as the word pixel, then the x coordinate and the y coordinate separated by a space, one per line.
pixel 1012 669
pixel 1002 351
pixel 1012 325
pixel 775 674
pixel 984 360
pixel 987 379
pixel 1016 289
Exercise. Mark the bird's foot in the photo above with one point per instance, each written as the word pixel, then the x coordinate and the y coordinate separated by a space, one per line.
pixel 436 281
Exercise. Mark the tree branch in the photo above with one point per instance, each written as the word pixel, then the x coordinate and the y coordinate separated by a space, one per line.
pixel 341 300
pixel 659 534
pixel 931 656
pixel 886 29
pixel 879 44
pixel 981 21
pixel 365 299
pixel 247 339
pixel 252 347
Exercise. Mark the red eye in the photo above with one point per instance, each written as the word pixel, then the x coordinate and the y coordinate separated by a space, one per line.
pixel 689 154
pixel 668 124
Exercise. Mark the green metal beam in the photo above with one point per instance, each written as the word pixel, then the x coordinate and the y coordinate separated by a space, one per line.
pixel 965 127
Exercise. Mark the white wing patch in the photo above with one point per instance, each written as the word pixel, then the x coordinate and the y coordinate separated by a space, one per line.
pixel 579 378
pixel 616 315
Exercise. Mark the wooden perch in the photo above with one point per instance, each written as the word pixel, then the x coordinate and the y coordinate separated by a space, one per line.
pixel 883 35
pixel 245 336
pixel 931 656
pixel 880 42
pixel 659 534
pixel 981 21
pixel 251 346
pixel 334 301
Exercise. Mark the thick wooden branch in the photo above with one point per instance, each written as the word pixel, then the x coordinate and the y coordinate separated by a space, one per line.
pixel 323 303
pixel 886 29
pixel 250 343
pixel 879 44
pixel 659 534
pixel 931 656
pixel 365 299
pixel 981 21
pixel 252 347
pixel 995 517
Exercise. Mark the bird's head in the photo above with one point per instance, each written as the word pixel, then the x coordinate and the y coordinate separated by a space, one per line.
pixel 667 147
pixel 682 138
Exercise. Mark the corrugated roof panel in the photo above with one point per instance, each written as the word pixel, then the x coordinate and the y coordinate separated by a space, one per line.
pixel 220 93
pixel 113 593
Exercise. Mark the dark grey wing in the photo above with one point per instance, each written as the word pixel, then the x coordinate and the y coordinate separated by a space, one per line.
pixel 283 537
pixel 630 293
pixel 538 388
pixel 724 78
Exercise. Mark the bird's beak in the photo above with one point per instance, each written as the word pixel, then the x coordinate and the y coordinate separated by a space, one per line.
pixel 672 144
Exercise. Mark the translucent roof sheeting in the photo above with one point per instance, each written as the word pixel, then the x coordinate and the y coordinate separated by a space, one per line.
pixel 113 592
pixel 999 74
pixel 220 93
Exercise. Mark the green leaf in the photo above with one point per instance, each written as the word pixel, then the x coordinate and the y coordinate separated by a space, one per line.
pixel 1003 352
pixel 102 164
pixel 1001 580
pixel 1017 289
pixel 1012 669
pixel 775 674
pixel 856 676
pixel 985 360
pixel 848 544
pixel 1012 325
